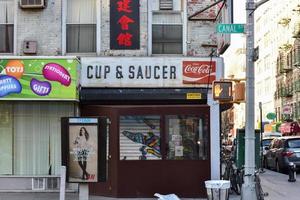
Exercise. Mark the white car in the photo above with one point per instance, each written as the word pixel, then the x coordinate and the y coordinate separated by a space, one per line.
pixel 271 134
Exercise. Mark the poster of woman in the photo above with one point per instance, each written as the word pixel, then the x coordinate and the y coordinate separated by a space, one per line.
pixel 83 156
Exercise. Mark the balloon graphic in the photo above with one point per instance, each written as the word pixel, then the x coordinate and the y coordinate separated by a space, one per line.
pixel 8 85
pixel 56 72
pixel 15 68
pixel 41 88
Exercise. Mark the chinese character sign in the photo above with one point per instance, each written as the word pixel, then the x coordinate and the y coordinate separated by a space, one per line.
pixel 124 24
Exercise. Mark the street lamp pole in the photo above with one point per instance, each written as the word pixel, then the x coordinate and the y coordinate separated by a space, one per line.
pixel 248 189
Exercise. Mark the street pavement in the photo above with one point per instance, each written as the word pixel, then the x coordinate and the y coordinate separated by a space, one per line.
pixel 74 196
pixel 275 184
pixel 278 187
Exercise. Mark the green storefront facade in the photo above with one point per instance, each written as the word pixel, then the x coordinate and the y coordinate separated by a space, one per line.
pixel 35 92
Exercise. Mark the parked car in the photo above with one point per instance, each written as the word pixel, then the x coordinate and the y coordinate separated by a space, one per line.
pixel 282 151
pixel 266 143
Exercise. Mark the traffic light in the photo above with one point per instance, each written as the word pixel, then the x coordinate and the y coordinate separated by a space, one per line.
pixel 222 91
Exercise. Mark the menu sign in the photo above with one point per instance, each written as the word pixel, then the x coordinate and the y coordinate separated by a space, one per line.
pixel 124 24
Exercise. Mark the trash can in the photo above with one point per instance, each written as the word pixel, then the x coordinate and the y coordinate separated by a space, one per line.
pixel 217 189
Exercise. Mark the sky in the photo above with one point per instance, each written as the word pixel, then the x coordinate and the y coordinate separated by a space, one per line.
pixel 239 12
pixel 239 17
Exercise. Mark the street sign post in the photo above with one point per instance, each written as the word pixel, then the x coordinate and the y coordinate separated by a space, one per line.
pixel 230 28
pixel 248 188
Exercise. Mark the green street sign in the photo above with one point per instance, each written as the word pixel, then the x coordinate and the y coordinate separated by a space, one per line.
pixel 271 116
pixel 230 28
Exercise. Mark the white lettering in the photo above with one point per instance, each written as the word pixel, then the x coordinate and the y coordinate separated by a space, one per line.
pixel 14 69
pixel 41 89
pixel 202 69
pixel 5 81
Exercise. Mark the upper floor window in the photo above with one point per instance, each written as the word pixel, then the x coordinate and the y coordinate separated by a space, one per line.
pixel 166 39
pixel 81 26
pixel 166 4
pixel 6 26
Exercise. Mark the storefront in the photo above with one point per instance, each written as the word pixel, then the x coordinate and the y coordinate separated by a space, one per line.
pixel 290 128
pixel 164 131
pixel 35 92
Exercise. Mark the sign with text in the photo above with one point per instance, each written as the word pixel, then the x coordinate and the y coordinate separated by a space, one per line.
pixel 39 79
pixel 193 96
pixel 124 24
pixel 199 72
pixel 287 109
pixel 230 28
pixel 137 72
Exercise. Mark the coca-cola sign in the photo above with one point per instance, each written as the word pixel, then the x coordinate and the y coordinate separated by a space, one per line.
pixel 199 72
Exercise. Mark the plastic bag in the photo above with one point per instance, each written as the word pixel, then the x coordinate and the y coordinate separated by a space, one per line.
pixel 167 196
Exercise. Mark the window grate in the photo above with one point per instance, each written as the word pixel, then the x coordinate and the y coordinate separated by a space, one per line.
pixel 38 183
pixel 32 3
pixel 166 4
pixel 53 183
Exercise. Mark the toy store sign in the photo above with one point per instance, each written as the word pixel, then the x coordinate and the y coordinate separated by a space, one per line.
pixel 147 72
pixel 38 79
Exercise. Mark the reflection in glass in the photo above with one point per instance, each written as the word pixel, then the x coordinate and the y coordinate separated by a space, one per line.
pixel 187 139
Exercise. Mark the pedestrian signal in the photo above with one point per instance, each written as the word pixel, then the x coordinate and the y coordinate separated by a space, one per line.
pixel 222 91
pixel 239 92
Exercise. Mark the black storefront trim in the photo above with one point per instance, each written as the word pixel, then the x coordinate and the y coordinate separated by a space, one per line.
pixel 141 95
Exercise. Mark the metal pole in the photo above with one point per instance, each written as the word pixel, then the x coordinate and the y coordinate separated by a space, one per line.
pixel 248 189
pixel 260 116
pixel 62 190
pixel 261 137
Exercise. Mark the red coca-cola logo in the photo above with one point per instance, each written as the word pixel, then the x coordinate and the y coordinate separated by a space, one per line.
pixel 199 72
pixel 202 69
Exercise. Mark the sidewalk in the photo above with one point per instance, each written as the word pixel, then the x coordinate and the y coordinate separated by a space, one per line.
pixel 278 187
pixel 74 196
pixel 274 183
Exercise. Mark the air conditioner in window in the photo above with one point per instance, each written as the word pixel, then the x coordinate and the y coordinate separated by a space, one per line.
pixel 38 183
pixel 32 3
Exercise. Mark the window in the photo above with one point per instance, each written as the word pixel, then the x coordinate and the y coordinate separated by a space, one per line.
pixel 166 39
pixel 6 26
pixel 140 137
pixel 165 4
pixel 31 137
pixel 81 26
pixel 187 139
pixel 266 142
pixel 293 143
pixel 180 137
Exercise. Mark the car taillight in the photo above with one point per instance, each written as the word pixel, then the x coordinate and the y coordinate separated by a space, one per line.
pixel 287 153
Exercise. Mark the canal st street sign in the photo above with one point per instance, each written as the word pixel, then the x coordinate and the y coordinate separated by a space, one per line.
pixel 230 28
